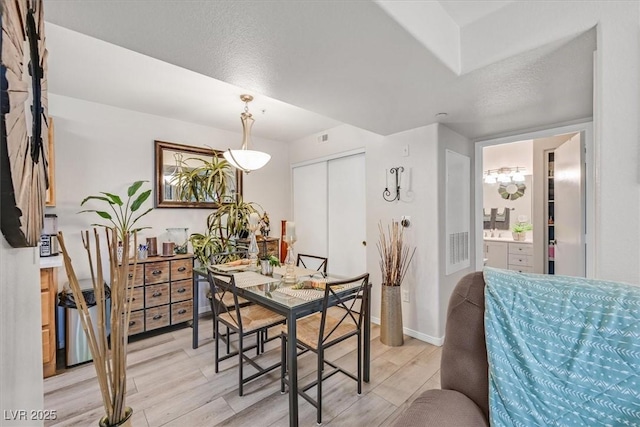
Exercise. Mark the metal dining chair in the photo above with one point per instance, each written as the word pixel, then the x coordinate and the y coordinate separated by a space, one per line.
pixel 244 321
pixel 313 262
pixel 341 318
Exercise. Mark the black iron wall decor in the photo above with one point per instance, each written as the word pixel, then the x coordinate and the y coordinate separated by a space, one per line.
pixel 24 124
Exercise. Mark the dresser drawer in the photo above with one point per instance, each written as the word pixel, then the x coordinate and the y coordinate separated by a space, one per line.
pixel 515 259
pixel 521 248
pixel 157 317
pixel 156 295
pixel 139 274
pixel 181 269
pixel 46 345
pixel 156 272
pixel 521 268
pixel 181 290
pixel 136 322
pixel 181 312
pixel 137 299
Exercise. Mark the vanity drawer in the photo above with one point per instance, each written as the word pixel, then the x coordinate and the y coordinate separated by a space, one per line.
pixel 515 259
pixel 181 290
pixel 181 312
pixel 521 248
pixel 521 268
pixel 157 317
pixel 181 269
pixel 156 272
pixel 136 322
pixel 156 295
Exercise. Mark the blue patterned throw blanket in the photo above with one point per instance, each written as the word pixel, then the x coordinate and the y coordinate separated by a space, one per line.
pixel 563 351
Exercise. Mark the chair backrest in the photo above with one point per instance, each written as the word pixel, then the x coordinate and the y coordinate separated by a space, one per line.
pixel 464 366
pixel 222 284
pixel 313 262
pixel 343 294
pixel 222 257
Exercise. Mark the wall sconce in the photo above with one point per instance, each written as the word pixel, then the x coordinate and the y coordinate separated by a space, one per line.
pixel 386 194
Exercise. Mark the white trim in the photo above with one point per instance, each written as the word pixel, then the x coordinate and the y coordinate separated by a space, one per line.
pixel 330 157
pixel 592 194
pixel 415 334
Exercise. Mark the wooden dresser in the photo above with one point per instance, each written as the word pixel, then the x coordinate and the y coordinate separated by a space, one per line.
pixel 267 246
pixel 48 293
pixel 163 293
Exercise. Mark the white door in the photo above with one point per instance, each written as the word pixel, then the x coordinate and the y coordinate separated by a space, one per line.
pixel 347 216
pixel 310 208
pixel 570 250
pixel 329 209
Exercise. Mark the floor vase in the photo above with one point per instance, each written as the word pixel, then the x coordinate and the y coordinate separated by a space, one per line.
pixel 126 422
pixel 391 317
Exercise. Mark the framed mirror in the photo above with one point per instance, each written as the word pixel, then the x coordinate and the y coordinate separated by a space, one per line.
pixel 180 170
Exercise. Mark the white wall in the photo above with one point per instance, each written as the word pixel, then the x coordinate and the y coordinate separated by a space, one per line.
pixel 20 332
pixel 102 148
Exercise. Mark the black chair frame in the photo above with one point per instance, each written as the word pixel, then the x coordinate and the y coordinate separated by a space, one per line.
pixel 323 261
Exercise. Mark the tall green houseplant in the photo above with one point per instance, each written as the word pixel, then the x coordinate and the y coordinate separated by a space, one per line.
pixel 122 216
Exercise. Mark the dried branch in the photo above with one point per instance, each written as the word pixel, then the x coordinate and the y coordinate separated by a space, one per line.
pixel 395 255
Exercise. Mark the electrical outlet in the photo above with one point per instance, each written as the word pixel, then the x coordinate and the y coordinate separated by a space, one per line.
pixel 405 295
pixel 405 151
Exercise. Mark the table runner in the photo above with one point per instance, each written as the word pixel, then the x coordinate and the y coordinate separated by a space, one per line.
pixel 311 294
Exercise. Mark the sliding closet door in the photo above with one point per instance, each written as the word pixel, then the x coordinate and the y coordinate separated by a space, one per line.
pixel 310 208
pixel 347 215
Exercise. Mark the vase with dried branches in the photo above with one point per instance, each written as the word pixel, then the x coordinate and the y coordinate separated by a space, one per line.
pixel 395 257
pixel 109 352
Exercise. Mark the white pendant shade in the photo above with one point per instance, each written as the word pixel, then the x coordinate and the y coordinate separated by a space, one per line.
pixel 244 159
pixel 247 160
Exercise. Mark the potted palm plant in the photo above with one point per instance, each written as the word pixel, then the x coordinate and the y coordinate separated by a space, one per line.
pixel 109 349
pixel 519 230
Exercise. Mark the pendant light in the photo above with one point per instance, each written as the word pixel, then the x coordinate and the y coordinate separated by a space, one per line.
pixel 244 159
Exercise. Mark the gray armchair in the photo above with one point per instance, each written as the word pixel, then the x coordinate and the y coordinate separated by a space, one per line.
pixel 464 377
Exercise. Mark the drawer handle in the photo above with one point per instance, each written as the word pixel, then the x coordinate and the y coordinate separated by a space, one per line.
pixel 132 322
pixel 156 272
pixel 131 299
pixel 157 294
pixel 181 269
pixel 182 311
pixel 181 290
pixel 130 276
pixel 157 316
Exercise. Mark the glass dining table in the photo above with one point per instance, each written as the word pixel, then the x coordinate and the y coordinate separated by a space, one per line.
pixel 277 296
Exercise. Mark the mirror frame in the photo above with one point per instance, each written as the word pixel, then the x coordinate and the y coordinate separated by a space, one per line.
pixel 161 202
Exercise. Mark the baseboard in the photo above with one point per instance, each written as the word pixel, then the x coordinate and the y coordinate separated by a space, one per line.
pixel 415 334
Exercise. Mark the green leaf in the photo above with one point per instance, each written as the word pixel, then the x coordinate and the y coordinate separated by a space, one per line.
pixel 114 198
pixel 104 199
pixel 103 214
pixel 134 187
pixel 140 200
pixel 141 215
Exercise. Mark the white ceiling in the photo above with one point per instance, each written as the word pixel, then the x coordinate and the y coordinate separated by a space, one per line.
pixel 310 65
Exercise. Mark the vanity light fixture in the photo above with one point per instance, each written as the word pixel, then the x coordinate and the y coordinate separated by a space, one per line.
pixel 386 194
pixel 245 159
pixel 504 175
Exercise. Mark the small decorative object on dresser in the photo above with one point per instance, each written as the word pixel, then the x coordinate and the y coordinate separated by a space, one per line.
pixel 395 257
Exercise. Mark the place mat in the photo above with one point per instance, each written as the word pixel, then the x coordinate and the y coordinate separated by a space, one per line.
pixel 311 294
pixel 298 271
pixel 229 268
pixel 246 279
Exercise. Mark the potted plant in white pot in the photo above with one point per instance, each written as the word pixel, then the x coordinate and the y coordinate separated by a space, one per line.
pixel 395 257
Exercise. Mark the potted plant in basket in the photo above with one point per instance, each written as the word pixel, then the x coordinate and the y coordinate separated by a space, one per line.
pixel 109 351
pixel 519 230
pixel 395 257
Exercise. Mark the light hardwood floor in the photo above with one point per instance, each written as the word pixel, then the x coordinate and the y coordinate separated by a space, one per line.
pixel 171 384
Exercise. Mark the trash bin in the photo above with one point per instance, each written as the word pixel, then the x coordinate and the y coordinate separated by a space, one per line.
pixel 76 342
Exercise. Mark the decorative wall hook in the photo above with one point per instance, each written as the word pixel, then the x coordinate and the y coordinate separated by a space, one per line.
pixel 386 194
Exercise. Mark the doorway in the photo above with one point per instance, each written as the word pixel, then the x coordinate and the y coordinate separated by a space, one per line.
pixel 557 205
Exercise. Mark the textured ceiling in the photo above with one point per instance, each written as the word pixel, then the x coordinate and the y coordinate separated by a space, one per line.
pixel 344 62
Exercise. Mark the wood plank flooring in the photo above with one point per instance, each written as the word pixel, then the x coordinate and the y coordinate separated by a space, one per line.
pixel 171 384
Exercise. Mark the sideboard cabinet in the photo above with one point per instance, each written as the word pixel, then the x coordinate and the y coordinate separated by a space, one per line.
pixel 162 294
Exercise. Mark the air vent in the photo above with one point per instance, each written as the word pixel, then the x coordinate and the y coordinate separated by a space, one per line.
pixel 458 247
pixel 323 138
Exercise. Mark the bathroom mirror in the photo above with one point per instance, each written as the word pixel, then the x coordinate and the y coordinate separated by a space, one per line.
pixel 172 159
